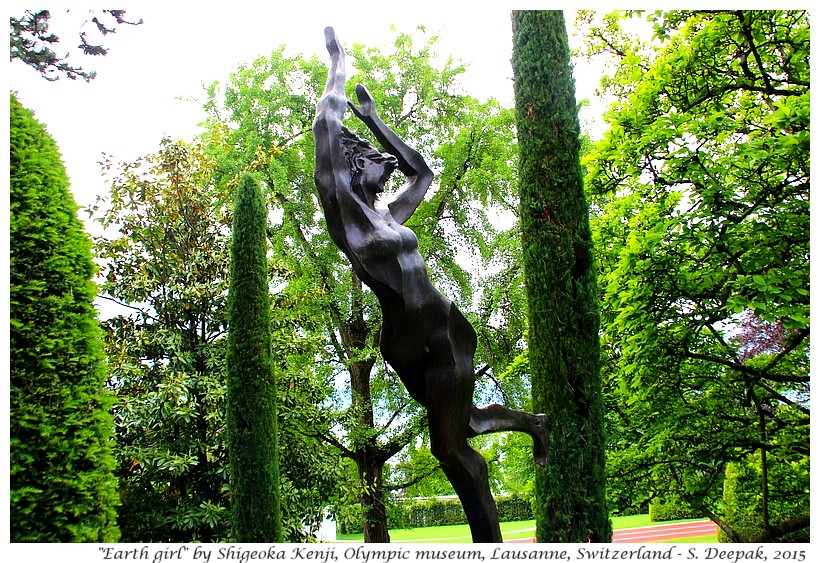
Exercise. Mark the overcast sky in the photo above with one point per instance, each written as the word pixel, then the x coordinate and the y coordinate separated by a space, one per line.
pixel 151 82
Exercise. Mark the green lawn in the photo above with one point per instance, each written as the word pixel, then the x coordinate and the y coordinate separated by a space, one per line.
pixel 698 539
pixel 510 530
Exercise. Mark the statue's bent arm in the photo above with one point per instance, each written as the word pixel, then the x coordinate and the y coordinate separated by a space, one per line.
pixel 411 163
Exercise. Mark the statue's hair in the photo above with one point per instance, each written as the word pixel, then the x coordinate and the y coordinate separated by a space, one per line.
pixel 356 149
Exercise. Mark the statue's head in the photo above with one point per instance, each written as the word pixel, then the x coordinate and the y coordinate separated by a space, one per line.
pixel 369 167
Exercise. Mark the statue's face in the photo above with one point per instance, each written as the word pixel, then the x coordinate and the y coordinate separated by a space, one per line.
pixel 374 174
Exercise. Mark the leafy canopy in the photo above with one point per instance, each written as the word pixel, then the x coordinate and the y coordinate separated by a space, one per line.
pixel 702 182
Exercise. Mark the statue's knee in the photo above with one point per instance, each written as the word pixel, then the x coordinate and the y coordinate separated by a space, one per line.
pixel 464 459
pixel 442 452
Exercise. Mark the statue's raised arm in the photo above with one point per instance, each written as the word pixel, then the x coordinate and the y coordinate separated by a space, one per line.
pixel 333 101
pixel 331 172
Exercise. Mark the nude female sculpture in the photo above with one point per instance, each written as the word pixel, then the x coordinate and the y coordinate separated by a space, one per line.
pixel 424 337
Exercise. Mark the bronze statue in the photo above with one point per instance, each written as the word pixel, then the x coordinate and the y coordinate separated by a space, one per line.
pixel 424 337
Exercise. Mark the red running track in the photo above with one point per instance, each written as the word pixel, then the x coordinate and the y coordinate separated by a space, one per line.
pixel 662 532
pixel 659 532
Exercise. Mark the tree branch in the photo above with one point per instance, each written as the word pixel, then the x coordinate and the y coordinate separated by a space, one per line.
pixel 417 479
pixel 781 529
pixel 330 439
pixel 121 304
pixel 396 444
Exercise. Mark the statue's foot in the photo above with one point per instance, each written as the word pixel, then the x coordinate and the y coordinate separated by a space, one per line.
pixel 540 440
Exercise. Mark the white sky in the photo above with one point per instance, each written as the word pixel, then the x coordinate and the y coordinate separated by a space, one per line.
pixel 150 84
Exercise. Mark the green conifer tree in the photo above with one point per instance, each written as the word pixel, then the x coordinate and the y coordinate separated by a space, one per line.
pixel 252 427
pixel 62 482
pixel 560 283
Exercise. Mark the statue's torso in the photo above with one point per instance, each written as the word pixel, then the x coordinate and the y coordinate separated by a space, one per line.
pixel 416 316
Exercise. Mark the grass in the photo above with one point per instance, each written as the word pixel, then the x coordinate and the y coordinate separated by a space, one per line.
pixel 510 530
pixel 697 539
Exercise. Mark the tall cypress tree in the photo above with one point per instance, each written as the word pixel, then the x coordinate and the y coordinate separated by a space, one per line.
pixel 560 283
pixel 62 468
pixel 252 428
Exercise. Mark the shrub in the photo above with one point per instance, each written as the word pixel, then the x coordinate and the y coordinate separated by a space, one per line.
pixel 425 513
pixel 671 507
pixel 61 464
pixel 448 511
pixel 788 497
pixel 434 512
pixel 632 511
pixel 513 509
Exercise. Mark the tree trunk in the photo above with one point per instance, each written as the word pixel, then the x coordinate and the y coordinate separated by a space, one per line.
pixel 367 452
pixel 373 510
pixel 368 456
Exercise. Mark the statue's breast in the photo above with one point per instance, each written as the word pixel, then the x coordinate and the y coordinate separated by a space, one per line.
pixel 384 240
pixel 378 245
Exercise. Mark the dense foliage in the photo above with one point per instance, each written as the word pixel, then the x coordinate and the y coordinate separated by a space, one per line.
pixel 561 283
pixel 671 507
pixel 448 511
pixel 166 254
pixel 702 184
pixel 165 261
pixel 62 468
pixel 742 500
pixel 253 441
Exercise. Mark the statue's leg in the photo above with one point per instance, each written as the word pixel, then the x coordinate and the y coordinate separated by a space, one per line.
pixel 498 418
pixel 449 382
pixel 448 411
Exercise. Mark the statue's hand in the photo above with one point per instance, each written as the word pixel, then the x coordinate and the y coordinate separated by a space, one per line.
pixel 332 42
pixel 366 107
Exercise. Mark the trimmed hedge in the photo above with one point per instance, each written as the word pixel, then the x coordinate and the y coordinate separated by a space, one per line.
pixel 631 510
pixel 426 513
pixel 434 512
pixel 671 508
pixel 741 498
